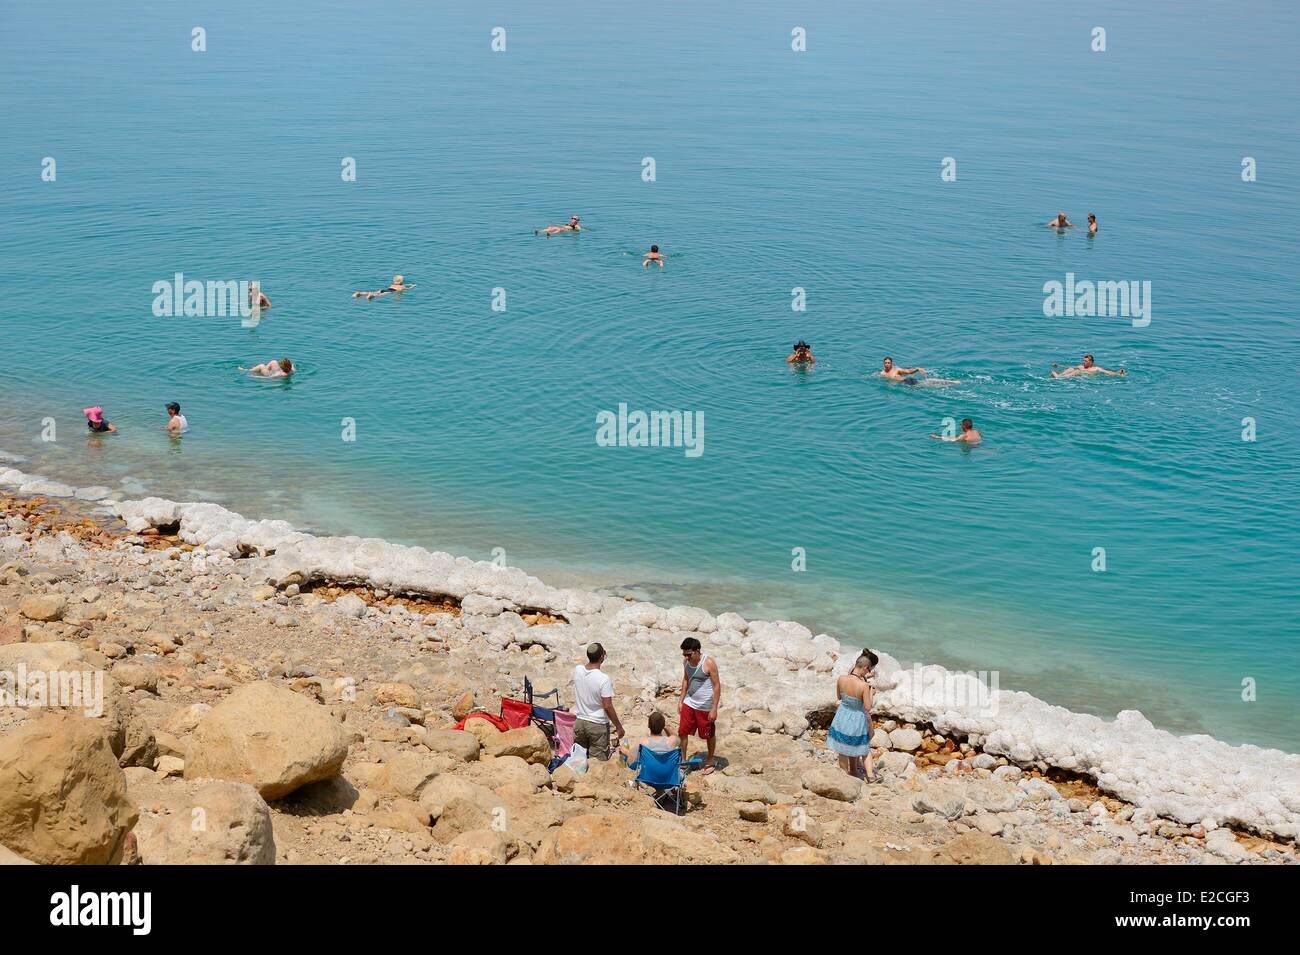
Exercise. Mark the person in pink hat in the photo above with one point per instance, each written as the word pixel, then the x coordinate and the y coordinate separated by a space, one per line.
pixel 95 419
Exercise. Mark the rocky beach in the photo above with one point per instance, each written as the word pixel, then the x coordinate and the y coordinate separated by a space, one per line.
pixel 254 694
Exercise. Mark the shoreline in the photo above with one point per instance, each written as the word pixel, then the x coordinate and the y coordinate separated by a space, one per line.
pixel 178 634
pixel 1185 779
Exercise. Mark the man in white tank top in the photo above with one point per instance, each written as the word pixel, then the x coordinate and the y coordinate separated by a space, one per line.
pixel 701 693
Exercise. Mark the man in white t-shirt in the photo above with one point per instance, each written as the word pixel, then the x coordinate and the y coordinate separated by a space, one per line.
pixel 594 692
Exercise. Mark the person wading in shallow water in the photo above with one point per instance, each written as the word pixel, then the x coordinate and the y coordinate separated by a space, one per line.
pixel 701 691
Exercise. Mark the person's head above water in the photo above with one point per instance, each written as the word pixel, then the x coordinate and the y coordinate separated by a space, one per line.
pixel 399 279
pixel 286 366
pixel 654 248
pixel 1092 217
pixel 94 415
pixel 889 363
pixel 173 408
pixel 1087 361
pixel 967 424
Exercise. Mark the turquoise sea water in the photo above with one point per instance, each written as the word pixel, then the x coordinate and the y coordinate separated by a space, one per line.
pixel 476 429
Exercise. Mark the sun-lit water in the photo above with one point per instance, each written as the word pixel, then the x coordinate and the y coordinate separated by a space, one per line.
pixel 475 429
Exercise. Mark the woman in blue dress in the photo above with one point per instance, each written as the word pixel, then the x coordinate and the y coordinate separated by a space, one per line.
pixel 850 733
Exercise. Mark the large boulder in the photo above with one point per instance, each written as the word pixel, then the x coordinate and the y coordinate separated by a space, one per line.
pixel 270 737
pixel 741 788
pixel 217 823
pixel 43 607
pixel 62 795
pixel 832 784
pixel 528 743
pixel 458 744
pixel 619 839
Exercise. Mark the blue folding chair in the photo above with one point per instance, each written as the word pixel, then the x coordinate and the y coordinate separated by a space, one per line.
pixel 663 773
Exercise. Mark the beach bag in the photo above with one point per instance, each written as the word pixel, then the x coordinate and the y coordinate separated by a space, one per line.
pixel 516 713
pixel 496 721
pixel 577 760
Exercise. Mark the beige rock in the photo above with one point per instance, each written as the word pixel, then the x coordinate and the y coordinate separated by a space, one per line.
pixel 803 855
pixel 482 729
pixel 213 823
pixel 62 795
pixel 170 766
pixel 974 848
pixel 136 676
pixel 528 743
pixel 832 784
pixel 478 845
pixel 459 744
pixel 464 706
pixel 9 857
pixel 407 774
pixel 43 607
pixel 396 694
pixel 620 839
pixel 269 737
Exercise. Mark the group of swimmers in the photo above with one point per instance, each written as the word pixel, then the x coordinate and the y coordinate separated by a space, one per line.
pixel 802 355
pixel 95 421
pixel 1060 222
pixel 654 256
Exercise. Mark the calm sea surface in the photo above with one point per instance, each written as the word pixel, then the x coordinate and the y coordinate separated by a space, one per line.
pixel 475 429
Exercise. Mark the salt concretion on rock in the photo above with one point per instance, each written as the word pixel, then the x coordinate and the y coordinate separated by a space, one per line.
pixel 777 667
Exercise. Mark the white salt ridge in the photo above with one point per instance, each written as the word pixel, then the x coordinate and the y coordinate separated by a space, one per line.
pixel 779 666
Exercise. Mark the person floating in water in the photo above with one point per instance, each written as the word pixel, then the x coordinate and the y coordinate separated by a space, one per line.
pixel 255 297
pixel 802 354
pixel 968 433
pixel 1061 222
pixel 95 420
pixel 272 369
pixel 399 285
pixel 1092 224
pixel 904 375
pixel 176 423
pixel 1089 367
pixel 550 230
pixel 653 256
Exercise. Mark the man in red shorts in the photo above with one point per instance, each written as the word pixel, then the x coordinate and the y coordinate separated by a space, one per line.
pixel 701 692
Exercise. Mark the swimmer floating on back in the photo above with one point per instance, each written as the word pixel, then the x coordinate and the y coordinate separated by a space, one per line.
pixel 968 433
pixel 399 285
pixel 802 354
pixel 271 369
pixel 653 256
pixel 95 420
pixel 904 375
pixel 1061 222
pixel 550 230
pixel 1089 367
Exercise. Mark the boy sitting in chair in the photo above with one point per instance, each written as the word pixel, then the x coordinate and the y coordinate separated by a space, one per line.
pixel 659 740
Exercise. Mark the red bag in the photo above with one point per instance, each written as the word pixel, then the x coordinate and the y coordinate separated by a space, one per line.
pixel 517 713
pixel 496 721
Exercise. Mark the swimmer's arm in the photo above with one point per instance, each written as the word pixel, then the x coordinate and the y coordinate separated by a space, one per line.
pixel 910 371
pixel 791 359
pixel 1107 371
